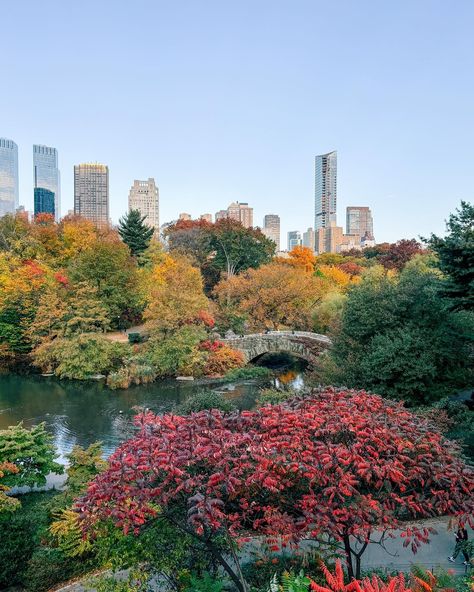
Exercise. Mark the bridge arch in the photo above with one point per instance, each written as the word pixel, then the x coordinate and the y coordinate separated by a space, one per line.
pixel 305 345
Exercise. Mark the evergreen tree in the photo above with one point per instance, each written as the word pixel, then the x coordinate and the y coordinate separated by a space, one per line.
pixel 134 233
pixel 456 255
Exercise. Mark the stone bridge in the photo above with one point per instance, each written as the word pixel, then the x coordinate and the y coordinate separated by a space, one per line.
pixel 299 343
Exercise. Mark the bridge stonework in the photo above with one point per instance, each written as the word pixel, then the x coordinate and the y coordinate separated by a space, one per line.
pixel 299 343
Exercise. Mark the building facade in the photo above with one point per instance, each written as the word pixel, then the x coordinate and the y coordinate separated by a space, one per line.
pixel 294 239
pixel 309 239
pixel 9 194
pixel 239 211
pixel 206 217
pixel 185 216
pixel 271 228
pixel 144 196
pixel 325 190
pixel 45 201
pixel 359 221
pixel 91 192
pixel 46 174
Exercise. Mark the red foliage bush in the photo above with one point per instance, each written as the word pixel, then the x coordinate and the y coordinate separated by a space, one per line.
pixel 338 463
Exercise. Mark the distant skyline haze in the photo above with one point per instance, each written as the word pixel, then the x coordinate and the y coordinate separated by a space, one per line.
pixel 231 102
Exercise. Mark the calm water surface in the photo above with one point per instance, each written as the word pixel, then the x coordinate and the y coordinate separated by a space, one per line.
pixel 85 412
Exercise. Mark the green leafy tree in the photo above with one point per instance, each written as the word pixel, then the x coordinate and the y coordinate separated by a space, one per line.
pixel 81 356
pixel 134 232
pixel 177 353
pixel 31 451
pixel 456 255
pixel 399 337
pixel 237 248
pixel 108 266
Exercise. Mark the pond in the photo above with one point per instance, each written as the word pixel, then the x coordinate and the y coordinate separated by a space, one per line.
pixel 85 412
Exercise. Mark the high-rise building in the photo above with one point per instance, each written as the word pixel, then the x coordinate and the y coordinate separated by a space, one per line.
pixel 44 201
pixel 206 217
pixel 294 239
pixel 185 216
pixel 271 228
pixel 359 221
pixel 91 192
pixel 239 211
pixel 325 190
pixel 309 239
pixel 328 239
pixel 46 173
pixel 144 197
pixel 9 196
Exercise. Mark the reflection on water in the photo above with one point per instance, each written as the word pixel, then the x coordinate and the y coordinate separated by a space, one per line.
pixel 85 412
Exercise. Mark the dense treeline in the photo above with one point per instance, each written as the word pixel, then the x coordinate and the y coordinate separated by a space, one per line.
pixel 400 315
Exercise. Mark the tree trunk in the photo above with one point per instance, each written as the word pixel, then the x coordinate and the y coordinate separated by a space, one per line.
pixel 348 550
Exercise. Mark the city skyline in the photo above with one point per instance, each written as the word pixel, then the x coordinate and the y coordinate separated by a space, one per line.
pixel 238 102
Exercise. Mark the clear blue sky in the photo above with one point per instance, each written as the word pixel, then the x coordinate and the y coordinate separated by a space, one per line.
pixel 223 101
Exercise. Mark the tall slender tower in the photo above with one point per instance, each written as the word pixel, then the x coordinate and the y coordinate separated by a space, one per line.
pixel 91 192
pixel 144 197
pixel 9 196
pixel 46 174
pixel 325 193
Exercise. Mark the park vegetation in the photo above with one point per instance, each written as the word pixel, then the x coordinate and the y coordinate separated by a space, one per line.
pixel 184 496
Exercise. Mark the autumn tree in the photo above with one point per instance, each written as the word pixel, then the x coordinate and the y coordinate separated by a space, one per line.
pixel 303 257
pixel 345 466
pixel 134 232
pixel 176 294
pixel 394 255
pixel 271 296
pixel 456 256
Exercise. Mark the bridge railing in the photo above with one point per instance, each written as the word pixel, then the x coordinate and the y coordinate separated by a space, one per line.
pixel 273 334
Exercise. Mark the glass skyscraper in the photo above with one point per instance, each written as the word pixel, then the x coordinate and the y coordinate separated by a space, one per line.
pixel 44 201
pixel 325 194
pixel 46 173
pixel 8 177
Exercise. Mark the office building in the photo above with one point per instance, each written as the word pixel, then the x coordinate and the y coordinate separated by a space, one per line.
pixel 44 201
pixel 91 192
pixel 325 190
pixel 207 218
pixel 239 211
pixel 271 228
pixel 9 195
pixel 309 239
pixel 185 216
pixel 46 173
pixel 294 239
pixel 359 221
pixel 328 239
pixel 144 197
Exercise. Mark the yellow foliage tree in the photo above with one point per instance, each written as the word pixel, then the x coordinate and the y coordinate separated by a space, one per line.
pixel 176 295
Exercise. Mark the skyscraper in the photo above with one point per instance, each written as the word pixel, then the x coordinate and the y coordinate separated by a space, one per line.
pixel 239 211
pixel 44 201
pixel 91 192
pixel 271 228
pixel 325 189
pixel 294 239
pixel 46 173
pixel 309 239
pixel 144 197
pixel 359 221
pixel 8 177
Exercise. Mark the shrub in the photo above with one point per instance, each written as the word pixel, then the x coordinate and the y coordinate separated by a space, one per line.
pixel 223 360
pixel 178 352
pixel 20 534
pixel 273 396
pixel 203 401
pixel 80 357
